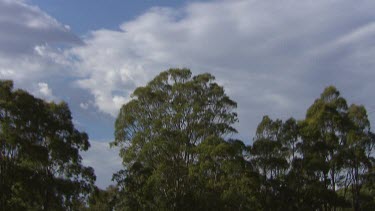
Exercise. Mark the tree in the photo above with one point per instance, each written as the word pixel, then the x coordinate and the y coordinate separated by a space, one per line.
pixel 173 139
pixel 159 133
pixel 323 132
pixel 223 178
pixel 40 164
pixel 321 163
pixel 357 155
pixel 290 138
pixel 269 156
pixel 337 149
pixel 102 200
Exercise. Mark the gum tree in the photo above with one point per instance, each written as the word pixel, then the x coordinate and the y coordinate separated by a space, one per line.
pixel 163 133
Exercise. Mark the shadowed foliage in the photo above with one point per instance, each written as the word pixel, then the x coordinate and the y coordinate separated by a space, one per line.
pixel 40 165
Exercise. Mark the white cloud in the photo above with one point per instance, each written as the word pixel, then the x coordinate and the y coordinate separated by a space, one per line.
pixel 45 91
pixel 27 55
pixel 272 57
pixel 84 106
pixel 23 26
pixel 6 73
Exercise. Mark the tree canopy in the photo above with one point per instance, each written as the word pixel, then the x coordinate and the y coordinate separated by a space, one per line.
pixel 173 137
pixel 178 153
pixel 171 134
pixel 40 164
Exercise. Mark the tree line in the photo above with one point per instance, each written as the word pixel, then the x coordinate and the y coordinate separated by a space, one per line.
pixel 177 154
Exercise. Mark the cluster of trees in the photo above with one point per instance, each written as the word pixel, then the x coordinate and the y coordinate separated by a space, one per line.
pixel 176 153
pixel 40 165
pixel 174 142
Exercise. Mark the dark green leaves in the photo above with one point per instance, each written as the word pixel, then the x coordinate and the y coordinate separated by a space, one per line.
pixel 40 165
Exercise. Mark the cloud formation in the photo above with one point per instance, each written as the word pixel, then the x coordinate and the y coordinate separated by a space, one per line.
pixel 24 26
pixel 45 91
pixel 26 34
pixel 272 57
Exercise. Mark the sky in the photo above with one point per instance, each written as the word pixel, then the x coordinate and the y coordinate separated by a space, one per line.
pixel 272 57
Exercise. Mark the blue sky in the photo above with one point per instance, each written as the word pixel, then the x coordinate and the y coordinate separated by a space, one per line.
pixel 86 15
pixel 272 57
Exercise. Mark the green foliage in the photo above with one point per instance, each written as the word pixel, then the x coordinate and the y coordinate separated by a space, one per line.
pixel 172 141
pixel 223 179
pixel 269 156
pixel 171 138
pixel 336 147
pixel 102 200
pixel 40 165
